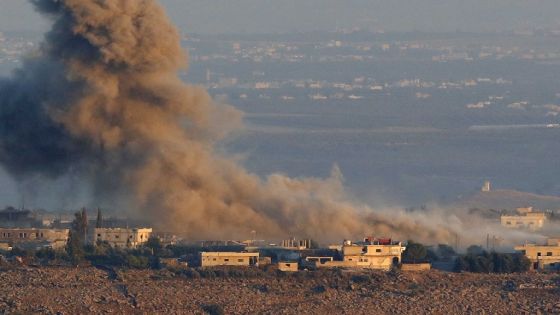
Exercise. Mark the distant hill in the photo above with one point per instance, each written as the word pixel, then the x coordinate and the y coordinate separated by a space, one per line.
pixel 508 199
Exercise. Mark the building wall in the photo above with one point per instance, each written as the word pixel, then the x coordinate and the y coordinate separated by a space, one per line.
pixel 296 244
pixel 373 262
pixel 532 221
pixel 542 256
pixel 416 267
pixel 121 237
pixel 369 256
pixel 264 261
pixel 209 259
pixel 349 250
pixel 288 266
pixel 23 235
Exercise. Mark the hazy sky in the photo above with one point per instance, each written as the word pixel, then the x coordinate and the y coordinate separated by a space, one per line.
pixel 266 16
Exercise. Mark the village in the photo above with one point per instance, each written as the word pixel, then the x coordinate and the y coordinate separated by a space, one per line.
pixel 27 235
pixel 118 266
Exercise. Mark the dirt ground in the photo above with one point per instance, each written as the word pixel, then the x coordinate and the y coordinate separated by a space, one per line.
pixel 63 290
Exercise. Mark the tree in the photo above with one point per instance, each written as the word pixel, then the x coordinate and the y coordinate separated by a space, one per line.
pixel 414 252
pixel 74 247
pixel 485 263
pixel 475 250
pixel 492 262
pixel 313 244
pixel 99 222
pixel 521 263
pixel 77 237
pixel 445 251
pixel 460 264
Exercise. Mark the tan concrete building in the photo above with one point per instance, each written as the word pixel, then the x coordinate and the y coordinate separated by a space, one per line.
pixel 288 266
pixel 524 210
pixel 531 220
pixel 486 187
pixel 372 254
pixel 265 261
pixel 542 257
pixel 34 237
pixel 294 244
pixel 122 237
pixel 211 259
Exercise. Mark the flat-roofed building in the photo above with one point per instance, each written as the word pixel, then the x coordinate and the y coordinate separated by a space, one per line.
pixel 542 257
pixel 524 210
pixel 530 220
pixel 211 259
pixel 296 244
pixel 122 237
pixel 34 237
pixel 372 253
pixel 288 266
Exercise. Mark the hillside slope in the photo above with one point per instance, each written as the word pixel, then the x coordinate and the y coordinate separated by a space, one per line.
pixel 508 199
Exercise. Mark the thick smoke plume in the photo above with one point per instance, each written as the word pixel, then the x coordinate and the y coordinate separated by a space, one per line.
pixel 102 99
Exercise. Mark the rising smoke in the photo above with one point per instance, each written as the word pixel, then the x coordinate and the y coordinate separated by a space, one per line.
pixel 102 99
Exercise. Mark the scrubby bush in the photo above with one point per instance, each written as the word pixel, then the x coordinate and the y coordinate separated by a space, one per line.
pixel 137 262
pixel 362 278
pixel 191 273
pixel 16 251
pixel 137 259
pixel 45 253
pixel 207 273
pixel 213 309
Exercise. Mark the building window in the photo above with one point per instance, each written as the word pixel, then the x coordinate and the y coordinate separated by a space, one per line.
pixel 116 236
pixel 41 234
pixel 508 222
pixel 549 254
pixel 378 250
pixel 98 235
pixel 240 260
pixel 226 259
pixel 20 235
pixel 539 254
pixel 37 234
pixel 214 259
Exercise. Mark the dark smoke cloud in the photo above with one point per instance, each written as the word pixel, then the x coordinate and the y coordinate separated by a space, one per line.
pixel 102 98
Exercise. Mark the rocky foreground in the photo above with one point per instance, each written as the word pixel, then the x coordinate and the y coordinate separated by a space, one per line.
pixel 91 290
